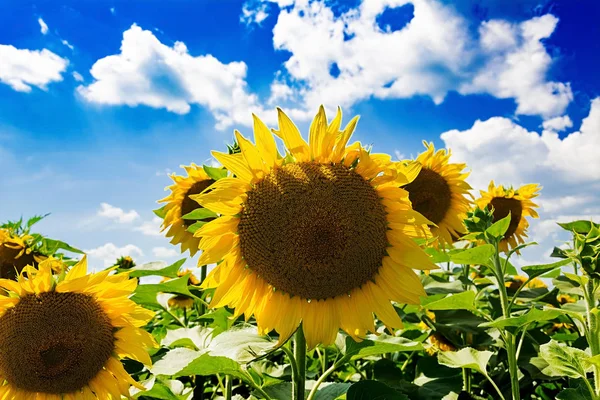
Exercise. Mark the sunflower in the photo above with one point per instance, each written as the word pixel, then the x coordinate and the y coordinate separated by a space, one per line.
pixel 440 193
pixel 516 202
pixel 180 300
pixel 15 254
pixel 322 236
pixel 63 339
pixel 179 204
pixel 565 299
pixel 518 280
pixel 437 342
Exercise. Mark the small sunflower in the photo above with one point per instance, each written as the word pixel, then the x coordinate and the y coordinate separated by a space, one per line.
pixel 516 202
pixel 15 254
pixel 438 342
pixel 179 204
pixel 322 236
pixel 440 193
pixel 518 280
pixel 63 339
pixel 180 300
pixel 565 299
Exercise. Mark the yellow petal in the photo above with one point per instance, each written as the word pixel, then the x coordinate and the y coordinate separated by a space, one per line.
pixel 316 134
pixel 252 156
pixel 265 142
pixel 291 138
pixel 236 163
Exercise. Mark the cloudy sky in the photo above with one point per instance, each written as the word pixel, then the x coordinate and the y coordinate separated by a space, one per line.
pixel 100 101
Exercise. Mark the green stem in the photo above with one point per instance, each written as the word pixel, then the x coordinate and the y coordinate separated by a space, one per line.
pixel 298 388
pixel 256 387
pixel 466 373
pixel 495 387
pixel 510 343
pixel 592 329
pixel 228 387
pixel 321 379
pixel 203 270
pixel 293 364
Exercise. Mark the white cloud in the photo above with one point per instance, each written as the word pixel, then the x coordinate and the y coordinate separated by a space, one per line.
pixel 254 13
pixel 558 124
pixel 66 43
pixel 506 60
pixel 164 252
pixel 112 10
pixel 109 252
pixel 150 228
pixel 500 148
pixel 22 68
pixel 568 169
pixel 517 64
pixel 43 26
pixel 148 72
pixel 77 76
pixel 118 214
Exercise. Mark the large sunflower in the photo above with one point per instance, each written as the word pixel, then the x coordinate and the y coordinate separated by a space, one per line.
pixel 516 202
pixel 179 203
pixel 15 254
pixel 440 193
pixel 63 339
pixel 322 236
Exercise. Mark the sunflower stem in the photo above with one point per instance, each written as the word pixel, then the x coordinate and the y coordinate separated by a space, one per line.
pixel 298 388
pixel 592 325
pixel 509 341
pixel 228 387
pixel 202 278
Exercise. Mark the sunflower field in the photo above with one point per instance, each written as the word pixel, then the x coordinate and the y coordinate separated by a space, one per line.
pixel 328 271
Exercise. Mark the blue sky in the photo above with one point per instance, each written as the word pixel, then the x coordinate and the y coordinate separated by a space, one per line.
pixel 99 101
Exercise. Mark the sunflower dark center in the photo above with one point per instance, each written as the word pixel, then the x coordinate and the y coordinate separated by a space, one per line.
pixel 54 342
pixel 502 206
pixel 10 265
pixel 188 205
pixel 430 195
pixel 313 230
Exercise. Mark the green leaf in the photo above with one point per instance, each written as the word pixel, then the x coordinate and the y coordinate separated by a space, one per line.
pixel 186 362
pixel 462 301
pixel 279 391
pixel 437 256
pixel 51 246
pixel 146 294
pixel 161 212
pixel 215 173
pixel 331 391
pixel 479 255
pixel 564 360
pixel 579 393
pixel 158 268
pixel 242 344
pixel 373 390
pixel 35 219
pixel 580 226
pixel 534 315
pixel 200 213
pixel 533 271
pixel 376 345
pixel 195 226
pixel 499 228
pixel 466 358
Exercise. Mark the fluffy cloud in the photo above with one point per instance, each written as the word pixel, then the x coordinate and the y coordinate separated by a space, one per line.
pixel 558 124
pixel 150 228
pixel 151 73
pixel 567 168
pixel 109 253
pixel 506 60
pixel 43 26
pixel 516 66
pixel 500 148
pixel 164 252
pixel 22 68
pixel 117 214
